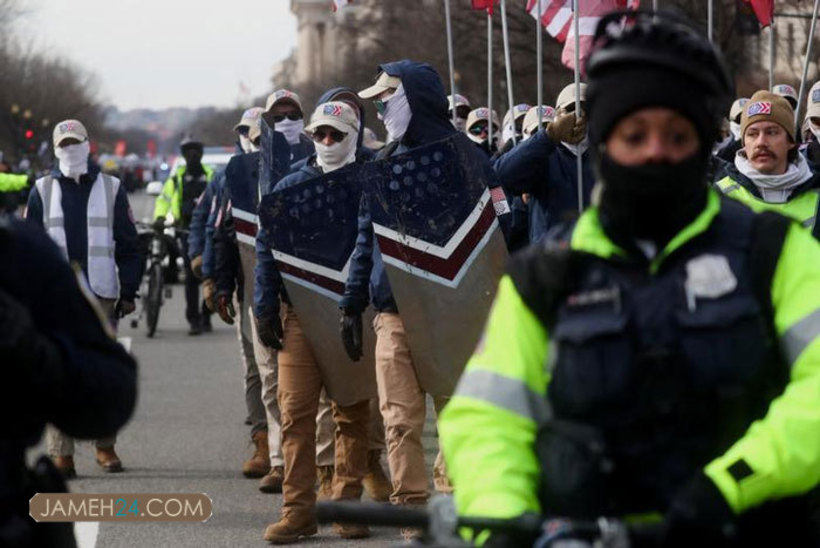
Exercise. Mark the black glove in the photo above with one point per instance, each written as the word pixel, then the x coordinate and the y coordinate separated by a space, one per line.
pixel 125 307
pixel 26 353
pixel 352 335
pixel 699 516
pixel 159 224
pixel 269 331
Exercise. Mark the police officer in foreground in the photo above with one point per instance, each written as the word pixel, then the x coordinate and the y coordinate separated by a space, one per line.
pixel 61 365
pixel 179 198
pixel 679 331
pixel 768 173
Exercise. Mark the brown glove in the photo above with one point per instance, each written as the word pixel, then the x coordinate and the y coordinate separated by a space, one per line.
pixel 224 308
pixel 567 129
pixel 209 293
pixel 196 266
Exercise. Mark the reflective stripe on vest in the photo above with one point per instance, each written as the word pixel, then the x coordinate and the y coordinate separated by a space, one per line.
pixel 802 208
pixel 507 393
pixel 102 268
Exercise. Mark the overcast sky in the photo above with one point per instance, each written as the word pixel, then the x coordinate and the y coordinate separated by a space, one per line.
pixel 161 53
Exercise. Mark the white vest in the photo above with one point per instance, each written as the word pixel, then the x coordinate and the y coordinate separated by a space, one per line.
pixel 102 269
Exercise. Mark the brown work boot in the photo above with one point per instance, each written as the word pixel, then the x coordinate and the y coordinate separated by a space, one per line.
pixel 66 466
pixel 108 460
pixel 272 481
pixel 291 526
pixel 259 464
pixel 351 530
pixel 375 482
pixel 324 474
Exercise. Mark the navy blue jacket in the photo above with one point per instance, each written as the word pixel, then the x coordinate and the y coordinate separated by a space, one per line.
pixel 200 232
pixel 367 280
pixel 268 286
pixel 75 208
pixel 88 389
pixel 549 173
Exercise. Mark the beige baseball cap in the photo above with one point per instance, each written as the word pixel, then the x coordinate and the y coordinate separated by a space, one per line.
pixel 786 91
pixel 69 129
pixel 519 110
pixel 383 83
pixel 737 109
pixel 335 114
pixel 531 118
pixel 567 96
pixel 455 101
pixel 249 117
pixel 813 101
pixel 479 114
pixel 370 140
pixel 282 95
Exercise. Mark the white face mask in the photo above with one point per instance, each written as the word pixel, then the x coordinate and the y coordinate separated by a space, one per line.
pixel 814 131
pixel 332 157
pixel 291 129
pixel 73 159
pixel 734 128
pixel 461 124
pixel 246 145
pixel 396 115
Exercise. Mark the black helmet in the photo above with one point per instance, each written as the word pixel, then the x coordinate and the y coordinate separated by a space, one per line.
pixel 647 58
pixel 189 142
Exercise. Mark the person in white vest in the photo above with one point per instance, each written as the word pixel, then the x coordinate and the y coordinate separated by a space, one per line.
pixel 87 215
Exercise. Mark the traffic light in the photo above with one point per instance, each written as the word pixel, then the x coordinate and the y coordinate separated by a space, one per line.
pixel 29 134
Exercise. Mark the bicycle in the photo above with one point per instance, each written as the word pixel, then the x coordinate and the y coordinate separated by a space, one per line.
pixel 441 524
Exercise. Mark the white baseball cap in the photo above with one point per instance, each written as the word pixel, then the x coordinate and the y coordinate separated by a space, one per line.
pixel 282 95
pixel 459 100
pixel 479 114
pixel 249 117
pixel 567 96
pixel 737 109
pixel 69 129
pixel 383 83
pixel 785 90
pixel 813 101
pixel 336 114
pixel 531 118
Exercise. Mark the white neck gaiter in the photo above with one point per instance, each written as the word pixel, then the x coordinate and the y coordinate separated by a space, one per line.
pixel 775 189
pixel 246 145
pixel 331 158
pixel 397 115
pixel 292 129
pixel 73 159
pixel 814 131
pixel 460 125
pixel 734 129
pixel 578 149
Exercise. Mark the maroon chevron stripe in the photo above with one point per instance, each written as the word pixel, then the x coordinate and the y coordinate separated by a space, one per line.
pixel 324 282
pixel 444 268
pixel 245 227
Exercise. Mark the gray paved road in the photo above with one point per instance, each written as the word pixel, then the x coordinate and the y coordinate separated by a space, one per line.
pixel 187 435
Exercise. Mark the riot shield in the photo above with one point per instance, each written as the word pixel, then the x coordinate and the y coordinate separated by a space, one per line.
pixel 313 227
pixel 245 174
pixel 434 219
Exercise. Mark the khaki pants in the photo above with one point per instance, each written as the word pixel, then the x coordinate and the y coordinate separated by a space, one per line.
pixel 61 445
pixel 266 361
pixel 403 407
pixel 300 385
pixel 253 383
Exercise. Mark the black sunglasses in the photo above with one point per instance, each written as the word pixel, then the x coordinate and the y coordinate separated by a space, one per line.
pixel 293 117
pixel 243 130
pixel 478 129
pixel 321 134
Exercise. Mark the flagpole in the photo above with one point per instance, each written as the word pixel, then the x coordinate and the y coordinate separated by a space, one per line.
pixel 806 63
pixel 578 162
pixel 710 21
pixel 509 66
pixel 539 67
pixel 490 76
pixel 450 57
pixel 771 54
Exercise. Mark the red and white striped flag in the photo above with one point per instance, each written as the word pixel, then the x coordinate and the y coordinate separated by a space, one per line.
pixel 764 11
pixel 338 4
pixel 556 16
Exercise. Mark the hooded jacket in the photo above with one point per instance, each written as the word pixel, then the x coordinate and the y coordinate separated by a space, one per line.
pixel 429 123
pixel 549 173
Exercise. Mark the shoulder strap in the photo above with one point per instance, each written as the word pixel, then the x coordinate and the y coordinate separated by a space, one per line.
pixel 768 234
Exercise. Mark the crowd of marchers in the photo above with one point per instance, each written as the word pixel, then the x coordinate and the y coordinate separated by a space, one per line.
pixel 650 287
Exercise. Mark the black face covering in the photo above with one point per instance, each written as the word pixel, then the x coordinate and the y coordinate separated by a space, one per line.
pixel 193 159
pixel 651 201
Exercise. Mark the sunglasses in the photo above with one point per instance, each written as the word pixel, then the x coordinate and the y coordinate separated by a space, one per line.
pixel 243 130
pixel 292 117
pixel 479 129
pixel 381 105
pixel 335 135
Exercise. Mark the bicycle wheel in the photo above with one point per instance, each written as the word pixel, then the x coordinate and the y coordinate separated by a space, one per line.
pixel 153 300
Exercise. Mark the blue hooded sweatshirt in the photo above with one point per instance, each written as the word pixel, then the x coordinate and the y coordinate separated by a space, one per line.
pixel 367 280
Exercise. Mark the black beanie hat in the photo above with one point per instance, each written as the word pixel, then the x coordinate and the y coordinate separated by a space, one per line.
pixel 657 60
